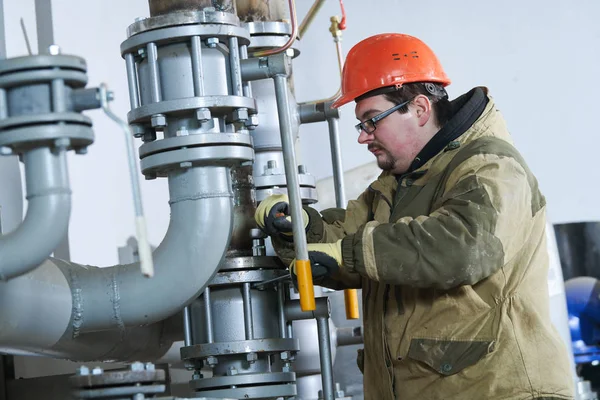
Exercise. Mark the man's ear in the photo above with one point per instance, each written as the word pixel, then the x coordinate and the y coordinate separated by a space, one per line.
pixel 423 109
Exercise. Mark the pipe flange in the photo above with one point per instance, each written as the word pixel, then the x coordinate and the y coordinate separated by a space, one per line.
pixel 195 140
pixel 205 350
pixel 39 119
pixel 118 383
pixel 158 165
pixel 42 62
pixel 182 18
pixel 257 28
pixel 243 380
pixel 76 136
pixel 183 33
pixel 278 180
pixel 256 392
pixel 250 263
pixel 218 105
pixel 251 276
pixel 307 194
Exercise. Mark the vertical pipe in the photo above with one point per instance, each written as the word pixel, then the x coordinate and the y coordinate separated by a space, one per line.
pixel 134 95
pixel 234 66
pixel 336 160
pixel 45 32
pixel 325 358
pixel 2 32
pixel 303 271
pixel 208 316
pixel 246 88
pixel 187 326
pixel 3 99
pixel 152 57
pixel 197 72
pixel 247 298
pixel 280 310
pixel 58 96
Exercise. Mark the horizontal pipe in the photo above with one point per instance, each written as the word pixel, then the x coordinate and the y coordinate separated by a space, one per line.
pixel 68 307
pixel 48 212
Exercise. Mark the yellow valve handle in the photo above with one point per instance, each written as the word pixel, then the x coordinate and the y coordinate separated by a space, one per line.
pixel 351 302
pixel 305 285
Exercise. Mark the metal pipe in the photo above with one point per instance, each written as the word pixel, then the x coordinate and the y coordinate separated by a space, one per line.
pixel 187 326
pixel 48 212
pixel 348 336
pixel 288 44
pixel 280 310
pixel 302 266
pixel 336 160
pixel 58 96
pixel 45 31
pixel 197 71
pixel 248 320
pixel 208 316
pixel 134 95
pixel 2 32
pixel 325 358
pixel 247 89
pixel 234 66
pixel 310 16
pixel 152 58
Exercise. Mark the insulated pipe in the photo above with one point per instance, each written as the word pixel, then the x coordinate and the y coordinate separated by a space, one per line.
pixel 48 212
pixel 54 307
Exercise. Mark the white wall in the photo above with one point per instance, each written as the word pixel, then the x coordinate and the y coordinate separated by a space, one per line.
pixel 539 59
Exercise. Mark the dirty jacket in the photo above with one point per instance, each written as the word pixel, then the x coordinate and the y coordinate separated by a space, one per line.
pixel 452 261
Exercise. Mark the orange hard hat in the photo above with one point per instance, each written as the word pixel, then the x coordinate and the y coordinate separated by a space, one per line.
pixel 389 59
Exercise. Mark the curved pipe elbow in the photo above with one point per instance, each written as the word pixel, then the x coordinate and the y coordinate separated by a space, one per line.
pixel 47 219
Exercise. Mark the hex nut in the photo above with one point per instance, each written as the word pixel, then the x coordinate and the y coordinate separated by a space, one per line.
pixel 54 49
pixel 240 114
pixel 83 370
pixel 203 114
pixel 6 151
pixel 158 121
pixel 252 121
pixel 137 130
pixel 211 361
pixel 97 371
pixel 137 366
pixel 232 371
pixel 212 42
pixel 285 355
pixel 150 366
pixel 251 357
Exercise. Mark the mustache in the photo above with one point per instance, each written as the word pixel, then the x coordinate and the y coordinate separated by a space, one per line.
pixel 374 145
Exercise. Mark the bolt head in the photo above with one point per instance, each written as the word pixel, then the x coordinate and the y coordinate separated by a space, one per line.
pixel 83 370
pixel 240 114
pixel 54 49
pixel 251 357
pixel 150 366
pixel 209 9
pixel 186 164
pixel 97 371
pixel 81 150
pixel 287 367
pixel 150 176
pixel 182 131
pixel 137 366
pixel 158 121
pixel 212 42
pixel 203 114
pixel 232 371
pixel 285 355
pixel 137 130
pixel 62 143
pixel 211 361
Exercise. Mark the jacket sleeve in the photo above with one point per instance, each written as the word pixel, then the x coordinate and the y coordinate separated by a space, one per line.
pixel 481 220
pixel 328 227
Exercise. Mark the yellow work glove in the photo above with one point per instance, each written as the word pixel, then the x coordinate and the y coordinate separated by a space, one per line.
pixel 325 261
pixel 273 215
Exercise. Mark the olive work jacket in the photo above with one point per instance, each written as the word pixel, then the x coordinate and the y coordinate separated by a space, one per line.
pixel 453 266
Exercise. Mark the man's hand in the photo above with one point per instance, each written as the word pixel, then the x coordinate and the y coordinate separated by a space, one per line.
pixel 325 261
pixel 273 215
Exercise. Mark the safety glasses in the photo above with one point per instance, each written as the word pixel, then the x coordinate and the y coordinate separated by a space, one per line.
pixel 369 125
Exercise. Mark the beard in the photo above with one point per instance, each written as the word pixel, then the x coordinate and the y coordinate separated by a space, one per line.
pixel 385 161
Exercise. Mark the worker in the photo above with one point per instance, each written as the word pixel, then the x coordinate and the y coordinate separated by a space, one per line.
pixel 448 244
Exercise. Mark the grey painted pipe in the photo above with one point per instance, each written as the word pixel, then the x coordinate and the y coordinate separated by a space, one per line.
pixel 81 312
pixel 48 212
pixel 336 160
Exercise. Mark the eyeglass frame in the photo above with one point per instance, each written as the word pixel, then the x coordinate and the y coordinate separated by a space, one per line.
pixel 360 127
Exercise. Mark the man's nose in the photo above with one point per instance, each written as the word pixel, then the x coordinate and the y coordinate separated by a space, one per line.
pixel 364 137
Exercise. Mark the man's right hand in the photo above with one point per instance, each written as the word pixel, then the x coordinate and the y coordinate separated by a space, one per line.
pixel 273 215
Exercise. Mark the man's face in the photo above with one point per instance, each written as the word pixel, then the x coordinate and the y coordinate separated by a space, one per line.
pixel 395 142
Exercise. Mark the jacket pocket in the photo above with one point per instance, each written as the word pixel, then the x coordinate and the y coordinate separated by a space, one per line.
pixel 449 357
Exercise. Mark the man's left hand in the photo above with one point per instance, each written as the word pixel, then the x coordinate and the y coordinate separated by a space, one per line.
pixel 325 260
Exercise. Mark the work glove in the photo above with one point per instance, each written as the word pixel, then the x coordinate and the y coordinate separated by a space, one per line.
pixel 325 261
pixel 273 216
